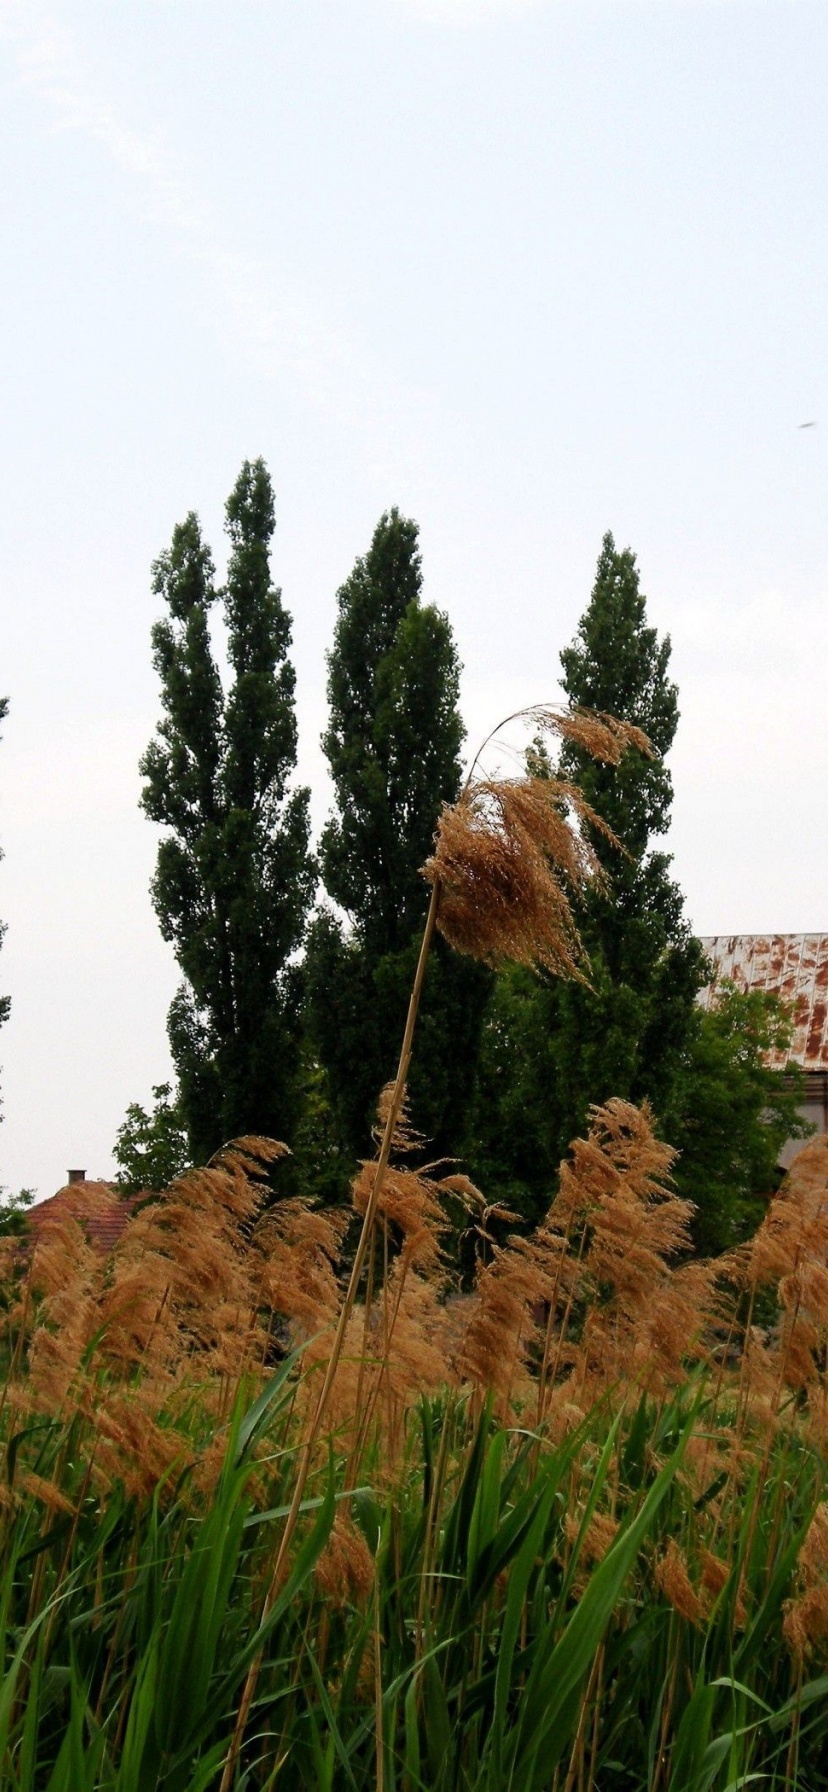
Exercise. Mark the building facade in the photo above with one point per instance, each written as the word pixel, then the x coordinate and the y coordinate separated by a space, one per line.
pixel 793 966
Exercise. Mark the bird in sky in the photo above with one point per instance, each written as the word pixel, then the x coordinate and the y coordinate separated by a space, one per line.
pixel 811 425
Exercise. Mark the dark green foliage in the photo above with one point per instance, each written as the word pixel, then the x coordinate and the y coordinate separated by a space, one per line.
pixel 393 739
pixel 551 1049
pixel 151 1148
pixel 393 743
pixel 320 1165
pixel 14 1210
pixel 617 664
pixel 234 879
pixel 727 1113
pixel 731 1115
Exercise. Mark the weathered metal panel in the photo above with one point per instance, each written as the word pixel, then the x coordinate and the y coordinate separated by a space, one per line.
pixel 793 966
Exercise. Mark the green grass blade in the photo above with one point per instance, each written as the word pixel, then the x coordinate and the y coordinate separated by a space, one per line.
pixel 545 1720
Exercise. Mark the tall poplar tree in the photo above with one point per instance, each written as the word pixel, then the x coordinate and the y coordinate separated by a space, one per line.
pixel 393 745
pixel 637 932
pixel 551 1049
pixel 234 880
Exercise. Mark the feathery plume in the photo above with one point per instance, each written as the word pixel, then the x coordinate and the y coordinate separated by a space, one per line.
pixel 805 1625
pixel 673 1579
pixel 299 1246
pixel 512 852
pixel 789 1252
pixel 644 1317
pixel 344 1573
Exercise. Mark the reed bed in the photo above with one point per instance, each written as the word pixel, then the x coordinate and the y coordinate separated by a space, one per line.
pixel 286 1501
pixel 564 1529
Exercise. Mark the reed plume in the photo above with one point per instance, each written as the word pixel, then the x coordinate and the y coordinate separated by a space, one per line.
pixel 344 1573
pixel 788 1256
pixel 299 1247
pixel 512 853
pixel 805 1624
pixel 513 1291
pixel 644 1315
pixel 673 1580
pixel 120 1342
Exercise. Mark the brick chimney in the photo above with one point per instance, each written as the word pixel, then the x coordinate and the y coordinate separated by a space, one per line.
pixel 76 1176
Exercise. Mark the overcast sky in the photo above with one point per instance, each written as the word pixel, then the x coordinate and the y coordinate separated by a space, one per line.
pixel 528 271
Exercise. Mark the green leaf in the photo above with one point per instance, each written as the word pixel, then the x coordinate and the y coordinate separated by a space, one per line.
pixel 269 1398
pixel 547 1707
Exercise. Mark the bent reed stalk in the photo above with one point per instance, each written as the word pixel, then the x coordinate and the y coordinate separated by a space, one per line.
pixel 306 1453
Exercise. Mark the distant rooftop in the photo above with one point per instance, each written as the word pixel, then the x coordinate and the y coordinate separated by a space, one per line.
pixel 791 965
pixel 102 1212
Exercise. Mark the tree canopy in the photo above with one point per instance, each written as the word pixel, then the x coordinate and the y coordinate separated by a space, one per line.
pixel 552 1049
pixel 151 1147
pixel 393 744
pixel 234 878
pixel 393 738
pixel 732 1114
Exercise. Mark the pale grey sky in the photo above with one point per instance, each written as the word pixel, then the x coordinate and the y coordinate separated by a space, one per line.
pixel 529 271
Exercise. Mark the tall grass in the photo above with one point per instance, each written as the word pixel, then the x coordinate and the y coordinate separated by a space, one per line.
pixel 286 1507
pixel 564 1531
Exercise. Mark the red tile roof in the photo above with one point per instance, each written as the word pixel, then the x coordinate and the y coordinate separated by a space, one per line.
pixel 102 1212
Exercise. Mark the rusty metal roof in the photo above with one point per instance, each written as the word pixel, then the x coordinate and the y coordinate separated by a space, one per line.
pixel 791 965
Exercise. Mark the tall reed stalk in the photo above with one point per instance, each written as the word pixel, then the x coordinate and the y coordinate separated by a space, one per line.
pixel 366 1232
